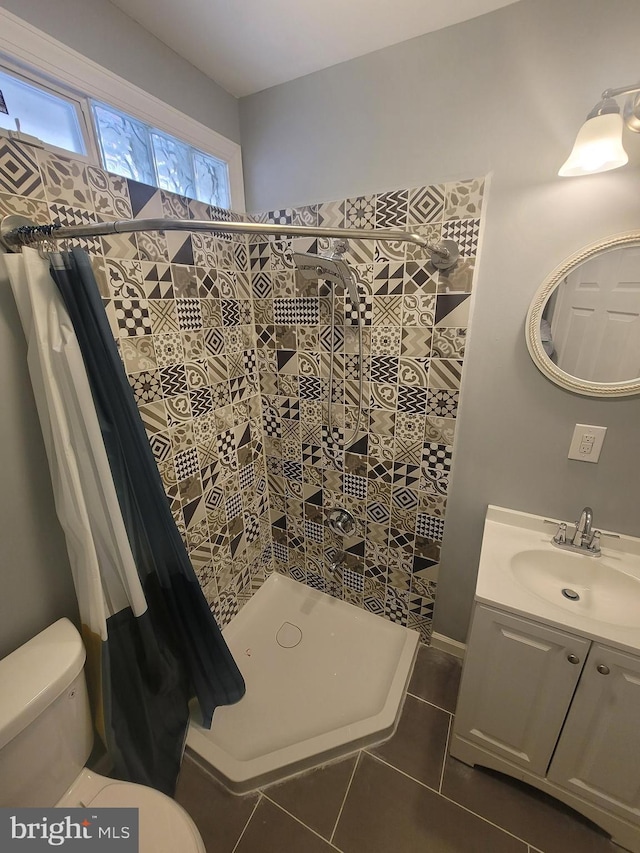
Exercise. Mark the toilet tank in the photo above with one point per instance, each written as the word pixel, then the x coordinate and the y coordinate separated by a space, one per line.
pixel 45 723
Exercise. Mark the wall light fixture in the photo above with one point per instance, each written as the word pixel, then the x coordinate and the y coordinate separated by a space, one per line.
pixel 598 146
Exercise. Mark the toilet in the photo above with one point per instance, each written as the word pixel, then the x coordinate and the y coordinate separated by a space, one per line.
pixel 46 737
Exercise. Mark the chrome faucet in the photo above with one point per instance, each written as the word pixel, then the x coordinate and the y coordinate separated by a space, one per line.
pixel 584 539
pixel 582 535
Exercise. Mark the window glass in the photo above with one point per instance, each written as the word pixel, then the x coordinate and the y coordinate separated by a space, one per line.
pixel 125 145
pixel 212 180
pixel 135 150
pixel 173 164
pixel 41 113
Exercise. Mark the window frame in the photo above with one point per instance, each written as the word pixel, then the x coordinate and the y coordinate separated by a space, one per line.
pixel 27 47
pixel 79 102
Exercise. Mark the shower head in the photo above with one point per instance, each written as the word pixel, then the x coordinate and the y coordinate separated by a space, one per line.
pixel 330 269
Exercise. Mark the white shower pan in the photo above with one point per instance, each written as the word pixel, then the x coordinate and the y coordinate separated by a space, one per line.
pixel 323 677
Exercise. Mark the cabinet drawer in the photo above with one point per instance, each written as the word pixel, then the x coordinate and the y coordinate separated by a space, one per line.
pixel 517 683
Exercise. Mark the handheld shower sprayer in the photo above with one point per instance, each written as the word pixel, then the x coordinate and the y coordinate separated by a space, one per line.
pixel 332 268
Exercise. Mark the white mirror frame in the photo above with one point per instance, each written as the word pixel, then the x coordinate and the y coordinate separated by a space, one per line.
pixel 534 315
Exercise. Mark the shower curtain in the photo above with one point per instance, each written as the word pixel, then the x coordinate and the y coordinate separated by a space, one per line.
pixel 152 642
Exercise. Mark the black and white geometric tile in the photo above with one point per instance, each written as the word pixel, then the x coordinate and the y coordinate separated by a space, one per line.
pixel 396 605
pixel 430 527
pixel 354 486
pixel 426 204
pixel 442 403
pixel 280 217
pixel 465 232
pixel 146 386
pixel 230 312
pixel 384 368
pixel 301 311
pixel 157 280
pixel 189 314
pixel 133 317
pixel 186 463
pixel 437 456
pixel 412 400
pixel 392 209
pixel 362 314
pixel 360 212
pixel 19 170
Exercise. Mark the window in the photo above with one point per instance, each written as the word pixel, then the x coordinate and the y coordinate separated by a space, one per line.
pixel 44 113
pixel 135 150
pixel 100 133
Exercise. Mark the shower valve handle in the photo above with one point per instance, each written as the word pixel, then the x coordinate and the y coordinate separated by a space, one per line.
pixel 341 521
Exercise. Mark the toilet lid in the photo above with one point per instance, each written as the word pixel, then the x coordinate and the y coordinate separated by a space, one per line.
pixel 165 827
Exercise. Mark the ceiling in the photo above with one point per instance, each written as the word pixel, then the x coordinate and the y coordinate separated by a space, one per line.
pixel 250 45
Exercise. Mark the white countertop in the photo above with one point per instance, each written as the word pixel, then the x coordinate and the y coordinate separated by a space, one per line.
pixel 507 533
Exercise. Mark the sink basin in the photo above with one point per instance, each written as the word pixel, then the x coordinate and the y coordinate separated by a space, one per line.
pixel 604 593
pixel 521 571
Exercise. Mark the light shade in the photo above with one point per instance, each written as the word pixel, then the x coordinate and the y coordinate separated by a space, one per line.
pixel 598 147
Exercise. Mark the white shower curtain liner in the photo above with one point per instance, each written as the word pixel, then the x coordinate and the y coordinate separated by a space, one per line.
pixel 104 571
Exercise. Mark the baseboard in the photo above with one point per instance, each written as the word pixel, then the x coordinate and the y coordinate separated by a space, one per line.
pixel 446 644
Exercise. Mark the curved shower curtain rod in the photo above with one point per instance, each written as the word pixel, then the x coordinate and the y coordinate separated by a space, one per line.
pixel 17 231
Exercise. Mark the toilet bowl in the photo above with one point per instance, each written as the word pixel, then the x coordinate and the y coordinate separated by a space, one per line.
pixel 164 826
pixel 46 738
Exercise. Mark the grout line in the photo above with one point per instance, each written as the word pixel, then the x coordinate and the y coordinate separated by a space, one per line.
pixel 344 799
pixel 402 772
pixel 426 702
pixel 235 846
pixel 444 757
pixel 297 820
pixel 448 799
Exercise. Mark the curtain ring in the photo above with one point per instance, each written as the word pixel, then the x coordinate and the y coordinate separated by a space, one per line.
pixel 46 248
pixel 38 241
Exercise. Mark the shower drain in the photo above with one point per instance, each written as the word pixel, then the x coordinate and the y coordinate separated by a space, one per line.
pixel 571 594
pixel 288 636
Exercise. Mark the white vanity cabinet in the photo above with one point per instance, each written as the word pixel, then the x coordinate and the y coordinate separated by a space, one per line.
pixel 518 681
pixel 557 710
pixel 598 755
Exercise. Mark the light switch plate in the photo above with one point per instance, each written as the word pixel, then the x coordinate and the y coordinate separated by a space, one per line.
pixel 586 442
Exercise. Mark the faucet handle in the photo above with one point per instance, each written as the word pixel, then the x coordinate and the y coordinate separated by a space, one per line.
pixel 594 542
pixel 561 534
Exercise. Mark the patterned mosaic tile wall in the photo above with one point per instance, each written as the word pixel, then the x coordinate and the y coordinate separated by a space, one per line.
pixel 205 324
pixel 180 308
pixel 393 473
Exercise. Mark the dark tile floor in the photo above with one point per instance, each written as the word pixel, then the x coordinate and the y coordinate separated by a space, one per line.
pixel 405 796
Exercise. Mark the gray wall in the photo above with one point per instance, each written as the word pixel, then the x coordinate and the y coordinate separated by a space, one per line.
pixel 501 94
pixel 35 578
pixel 101 31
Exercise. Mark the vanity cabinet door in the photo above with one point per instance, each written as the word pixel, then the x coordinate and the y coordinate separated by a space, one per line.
pixel 517 683
pixel 598 756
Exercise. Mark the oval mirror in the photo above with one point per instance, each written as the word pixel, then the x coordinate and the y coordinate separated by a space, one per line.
pixel 583 326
